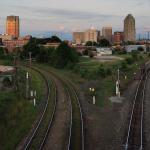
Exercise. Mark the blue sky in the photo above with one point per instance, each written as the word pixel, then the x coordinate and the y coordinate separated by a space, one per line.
pixel 72 15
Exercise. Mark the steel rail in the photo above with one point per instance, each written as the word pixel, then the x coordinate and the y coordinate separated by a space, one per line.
pixel 27 145
pixel 142 113
pixel 50 123
pixel 68 85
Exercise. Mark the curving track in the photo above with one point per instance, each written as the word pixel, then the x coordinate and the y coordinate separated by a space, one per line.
pixel 39 131
pixel 135 134
pixel 75 135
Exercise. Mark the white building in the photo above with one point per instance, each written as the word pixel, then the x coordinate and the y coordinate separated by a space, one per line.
pixel 131 48
pixel 104 51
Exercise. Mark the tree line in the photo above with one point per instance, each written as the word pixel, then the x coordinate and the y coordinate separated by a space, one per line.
pixel 58 57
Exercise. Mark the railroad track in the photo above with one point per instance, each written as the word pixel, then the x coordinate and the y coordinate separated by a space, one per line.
pixel 76 129
pixel 135 134
pixel 39 134
pixel 76 134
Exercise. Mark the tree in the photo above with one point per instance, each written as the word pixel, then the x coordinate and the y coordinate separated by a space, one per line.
pixel 1 51
pixel 104 43
pixel 64 55
pixel 31 46
pixel 141 49
pixel 45 55
pixel 55 39
pixel 129 60
pixel 129 43
pixel 7 82
pixel 91 43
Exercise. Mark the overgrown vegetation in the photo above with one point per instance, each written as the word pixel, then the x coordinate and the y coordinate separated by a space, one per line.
pixel 16 112
pixel 100 43
pixel 58 57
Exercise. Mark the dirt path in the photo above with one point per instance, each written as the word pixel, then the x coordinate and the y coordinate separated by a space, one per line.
pixel 104 127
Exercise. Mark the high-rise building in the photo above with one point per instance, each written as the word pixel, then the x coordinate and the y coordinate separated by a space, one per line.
pixel 107 33
pixel 12 26
pixel 129 28
pixel 118 37
pixel 91 35
pixel 78 37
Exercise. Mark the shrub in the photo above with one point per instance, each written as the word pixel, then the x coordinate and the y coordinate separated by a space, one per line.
pixel 141 49
pixel 83 72
pixel 108 71
pixel 101 71
pixel 134 55
pixel 140 57
pixel 129 60
pixel 124 65
pixel 7 82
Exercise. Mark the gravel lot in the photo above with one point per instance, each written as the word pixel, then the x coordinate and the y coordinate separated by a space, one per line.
pixel 105 127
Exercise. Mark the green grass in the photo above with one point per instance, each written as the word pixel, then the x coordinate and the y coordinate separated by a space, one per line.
pixel 105 87
pixel 17 114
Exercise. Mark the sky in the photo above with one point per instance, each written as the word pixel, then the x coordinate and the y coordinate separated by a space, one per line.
pixel 41 16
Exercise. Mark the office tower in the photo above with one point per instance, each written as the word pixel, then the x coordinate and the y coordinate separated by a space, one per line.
pixel 107 33
pixel 12 26
pixel 129 28
pixel 118 37
pixel 91 35
pixel 78 37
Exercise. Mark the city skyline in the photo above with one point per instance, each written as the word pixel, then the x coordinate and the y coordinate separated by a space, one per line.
pixel 37 16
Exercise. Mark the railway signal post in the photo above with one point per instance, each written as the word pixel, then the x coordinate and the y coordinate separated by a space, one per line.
pixel 92 90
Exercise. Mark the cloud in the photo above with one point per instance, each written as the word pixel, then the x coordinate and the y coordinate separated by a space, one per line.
pixel 70 14
pixel 46 13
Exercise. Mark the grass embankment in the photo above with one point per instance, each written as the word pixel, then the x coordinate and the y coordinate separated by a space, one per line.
pixel 16 113
pixel 103 75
